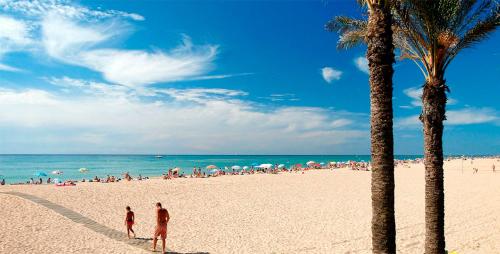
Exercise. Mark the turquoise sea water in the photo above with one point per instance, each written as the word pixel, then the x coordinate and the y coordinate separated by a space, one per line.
pixel 19 168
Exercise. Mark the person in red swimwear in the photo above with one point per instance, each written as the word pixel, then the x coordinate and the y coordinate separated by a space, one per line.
pixel 129 221
pixel 162 218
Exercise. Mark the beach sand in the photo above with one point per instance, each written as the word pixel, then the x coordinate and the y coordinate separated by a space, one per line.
pixel 321 211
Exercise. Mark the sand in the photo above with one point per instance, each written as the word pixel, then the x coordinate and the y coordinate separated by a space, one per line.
pixel 320 211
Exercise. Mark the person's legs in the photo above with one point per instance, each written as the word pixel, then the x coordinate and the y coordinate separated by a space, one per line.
pixel 131 230
pixel 163 237
pixel 155 239
pixel 163 245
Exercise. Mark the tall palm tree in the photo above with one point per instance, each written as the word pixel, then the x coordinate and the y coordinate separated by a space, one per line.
pixel 380 55
pixel 431 33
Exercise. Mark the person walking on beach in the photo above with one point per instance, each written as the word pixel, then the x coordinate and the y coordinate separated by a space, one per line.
pixel 129 221
pixel 162 218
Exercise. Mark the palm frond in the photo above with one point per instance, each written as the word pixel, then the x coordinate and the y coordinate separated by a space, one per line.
pixel 352 31
pixel 351 39
pixel 342 24
pixel 476 34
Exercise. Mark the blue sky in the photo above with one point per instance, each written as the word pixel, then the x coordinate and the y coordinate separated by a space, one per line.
pixel 210 77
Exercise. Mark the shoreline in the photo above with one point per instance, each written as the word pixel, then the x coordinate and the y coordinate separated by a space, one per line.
pixel 227 171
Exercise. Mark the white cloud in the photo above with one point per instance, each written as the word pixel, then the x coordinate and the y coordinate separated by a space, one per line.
pixel 415 93
pixel 77 35
pixel 407 122
pixel 79 44
pixel 14 36
pixel 77 86
pixel 329 74
pixel 62 7
pixel 362 64
pixel 65 40
pixel 464 116
pixel 281 97
pixel 221 76
pixel 4 67
pixel 13 31
pixel 219 122
pixel 471 116
pixel 451 101
pixel 201 95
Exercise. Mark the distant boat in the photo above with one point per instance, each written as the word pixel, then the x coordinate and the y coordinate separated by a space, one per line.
pixel 158 156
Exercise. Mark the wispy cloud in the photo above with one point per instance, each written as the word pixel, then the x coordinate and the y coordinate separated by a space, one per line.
pixel 362 64
pixel 127 123
pixel 76 35
pixel 464 116
pixel 330 74
pixel 4 67
pixel 201 95
pixel 281 97
pixel 471 116
pixel 78 44
pixel 221 76
pixel 14 36
pixel 62 7
pixel 415 94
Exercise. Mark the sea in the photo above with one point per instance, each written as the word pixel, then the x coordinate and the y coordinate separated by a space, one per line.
pixel 20 168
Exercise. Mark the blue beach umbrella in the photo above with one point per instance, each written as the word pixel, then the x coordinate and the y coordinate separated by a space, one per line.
pixel 40 174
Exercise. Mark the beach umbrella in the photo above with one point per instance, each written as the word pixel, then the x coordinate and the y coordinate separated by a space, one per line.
pixel 281 165
pixel 310 162
pixel 226 168
pixel 255 164
pixel 211 167
pixel 265 166
pixel 298 165
pixel 322 163
pixel 57 172
pixel 236 167
pixel 214 171
pixel 40 174
pixel 245 167
pixel 83 170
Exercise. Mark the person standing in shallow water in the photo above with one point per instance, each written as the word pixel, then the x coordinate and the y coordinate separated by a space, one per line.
pixel 129 221
pixel 162 218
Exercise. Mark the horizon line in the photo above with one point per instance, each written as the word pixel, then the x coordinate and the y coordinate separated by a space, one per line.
pixel 158 154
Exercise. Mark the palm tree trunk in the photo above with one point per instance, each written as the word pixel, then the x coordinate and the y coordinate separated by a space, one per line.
pixel 432 117
pixel 380 55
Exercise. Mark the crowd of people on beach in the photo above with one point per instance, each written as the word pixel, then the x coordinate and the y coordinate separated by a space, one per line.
pixel 197 172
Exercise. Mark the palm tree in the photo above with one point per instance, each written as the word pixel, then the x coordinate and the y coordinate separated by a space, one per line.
pixel 431 33
pixel 380 55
